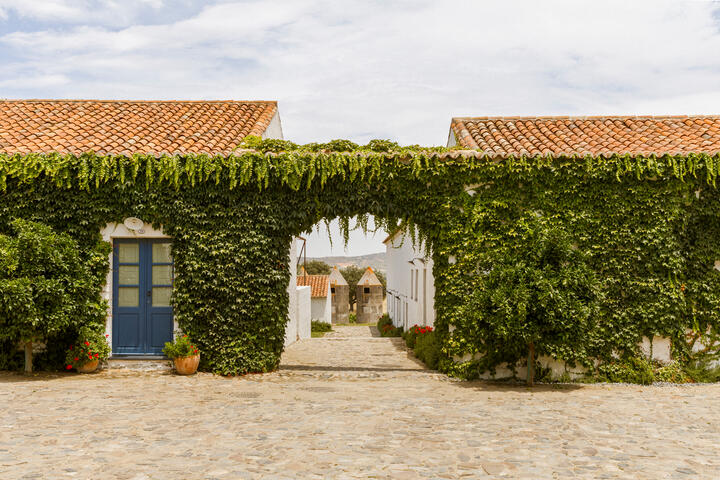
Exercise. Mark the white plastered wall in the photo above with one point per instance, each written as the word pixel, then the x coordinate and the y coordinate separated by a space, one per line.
pixel 303 322
pixel 292 324
pixel 274 129
pixel 110 232
pixel 321 307
pixel 405 307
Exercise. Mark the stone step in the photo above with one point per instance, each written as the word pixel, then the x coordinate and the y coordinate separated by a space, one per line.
pixel 141 364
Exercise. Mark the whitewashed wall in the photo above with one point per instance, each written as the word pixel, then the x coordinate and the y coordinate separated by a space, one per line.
pixel 274 129
pixel 303 323
pixel 321 307
pixel 410 283
pixel 292 325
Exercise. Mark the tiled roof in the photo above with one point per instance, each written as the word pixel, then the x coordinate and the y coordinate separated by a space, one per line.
pixel 318 284
pixel 127 127
pixel 568 136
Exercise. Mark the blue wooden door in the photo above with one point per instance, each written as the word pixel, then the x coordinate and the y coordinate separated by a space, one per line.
pixel 142 286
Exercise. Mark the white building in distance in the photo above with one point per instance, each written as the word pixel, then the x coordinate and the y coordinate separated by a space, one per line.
pixel 410 282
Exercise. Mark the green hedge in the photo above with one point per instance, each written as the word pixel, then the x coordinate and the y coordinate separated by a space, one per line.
pixel 648 226
pixel 386 327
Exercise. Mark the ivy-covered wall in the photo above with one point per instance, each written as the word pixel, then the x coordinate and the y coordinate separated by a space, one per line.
pixel 650 235
pixel 648 226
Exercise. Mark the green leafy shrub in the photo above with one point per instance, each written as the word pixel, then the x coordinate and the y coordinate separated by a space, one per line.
pixel 409 337
pixel 180 347
pixel 352 317
pixel 90 345
pixel 318 326
pixel 538 296
pixel 412 334
pixel 427 349
pixel 672 372
pixel 702 371
pixel 630 370
pixel 47 291
pixel 386 327
pixel 425 345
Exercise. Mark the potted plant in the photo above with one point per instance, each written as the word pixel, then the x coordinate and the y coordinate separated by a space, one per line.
pixel 184 355
pixel 86 354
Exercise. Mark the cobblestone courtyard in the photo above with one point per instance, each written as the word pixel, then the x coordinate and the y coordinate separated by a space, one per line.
pixel 349 406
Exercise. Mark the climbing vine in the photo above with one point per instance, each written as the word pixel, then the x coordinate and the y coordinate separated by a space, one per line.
pixel 647 225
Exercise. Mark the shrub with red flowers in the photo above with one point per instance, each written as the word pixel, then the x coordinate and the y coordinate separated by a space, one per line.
pixel 386 327
pixel 181 347
pixel 90 345
pixel 411 335
pixel 424 344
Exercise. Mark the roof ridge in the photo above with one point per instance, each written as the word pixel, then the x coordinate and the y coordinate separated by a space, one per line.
pixel 580 117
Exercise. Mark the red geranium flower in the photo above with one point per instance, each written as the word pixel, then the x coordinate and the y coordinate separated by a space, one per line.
pixel 70 347
pixel 69 366
pixel 87 343
pixel 76 359
pixel 97 355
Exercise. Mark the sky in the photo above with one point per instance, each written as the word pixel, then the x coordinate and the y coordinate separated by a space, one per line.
pixel 369 68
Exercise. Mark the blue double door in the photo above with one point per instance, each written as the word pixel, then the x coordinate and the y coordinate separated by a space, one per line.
pixel 142 287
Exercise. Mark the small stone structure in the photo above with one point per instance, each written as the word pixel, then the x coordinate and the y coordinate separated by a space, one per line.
pixel 340 291
pixel 369 298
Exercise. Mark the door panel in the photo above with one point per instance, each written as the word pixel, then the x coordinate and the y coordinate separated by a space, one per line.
pixel 160 330
pixel 160 283
pixel 142 288
pixel 127 338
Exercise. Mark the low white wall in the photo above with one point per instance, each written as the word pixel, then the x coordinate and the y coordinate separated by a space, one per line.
pixel 321 309
pixel 659 348
pixel 292 324
pixel 303 324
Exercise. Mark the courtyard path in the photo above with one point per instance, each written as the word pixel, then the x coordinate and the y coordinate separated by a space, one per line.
pixel 349 406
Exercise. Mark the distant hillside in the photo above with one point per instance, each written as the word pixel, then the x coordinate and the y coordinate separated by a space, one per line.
pixel 374 260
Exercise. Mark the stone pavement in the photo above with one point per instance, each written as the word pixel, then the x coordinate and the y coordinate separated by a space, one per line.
pixel 349 406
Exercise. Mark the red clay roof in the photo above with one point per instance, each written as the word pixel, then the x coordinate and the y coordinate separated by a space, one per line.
pixel 127 127
pixel 318 284
pixel 568 136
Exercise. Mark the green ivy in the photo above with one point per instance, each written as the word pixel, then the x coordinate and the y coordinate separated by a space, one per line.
pixel 648 227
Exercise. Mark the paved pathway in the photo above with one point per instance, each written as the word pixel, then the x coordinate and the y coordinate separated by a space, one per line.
pixel 349 406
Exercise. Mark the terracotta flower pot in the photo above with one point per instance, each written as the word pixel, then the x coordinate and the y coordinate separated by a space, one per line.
pixel 89 367
pixel 186 365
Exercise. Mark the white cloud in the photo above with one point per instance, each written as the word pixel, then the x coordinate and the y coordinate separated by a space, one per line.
pixel 37 82
pixel 366 69
pixel 105 12
pixel 363 69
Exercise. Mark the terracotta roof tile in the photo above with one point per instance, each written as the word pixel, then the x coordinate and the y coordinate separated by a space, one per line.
pixel 127 127
pixel 568 136
pixel 318 284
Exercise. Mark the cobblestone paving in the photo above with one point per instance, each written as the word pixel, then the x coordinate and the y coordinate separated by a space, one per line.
pixel 349 406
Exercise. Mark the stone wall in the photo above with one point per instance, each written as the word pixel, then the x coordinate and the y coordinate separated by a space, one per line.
pixel 369 305
pixel 341 304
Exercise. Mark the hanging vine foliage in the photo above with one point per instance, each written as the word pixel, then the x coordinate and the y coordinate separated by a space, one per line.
pixel 647 225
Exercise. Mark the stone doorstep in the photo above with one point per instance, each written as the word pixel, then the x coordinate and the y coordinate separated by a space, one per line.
pixel 141 364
